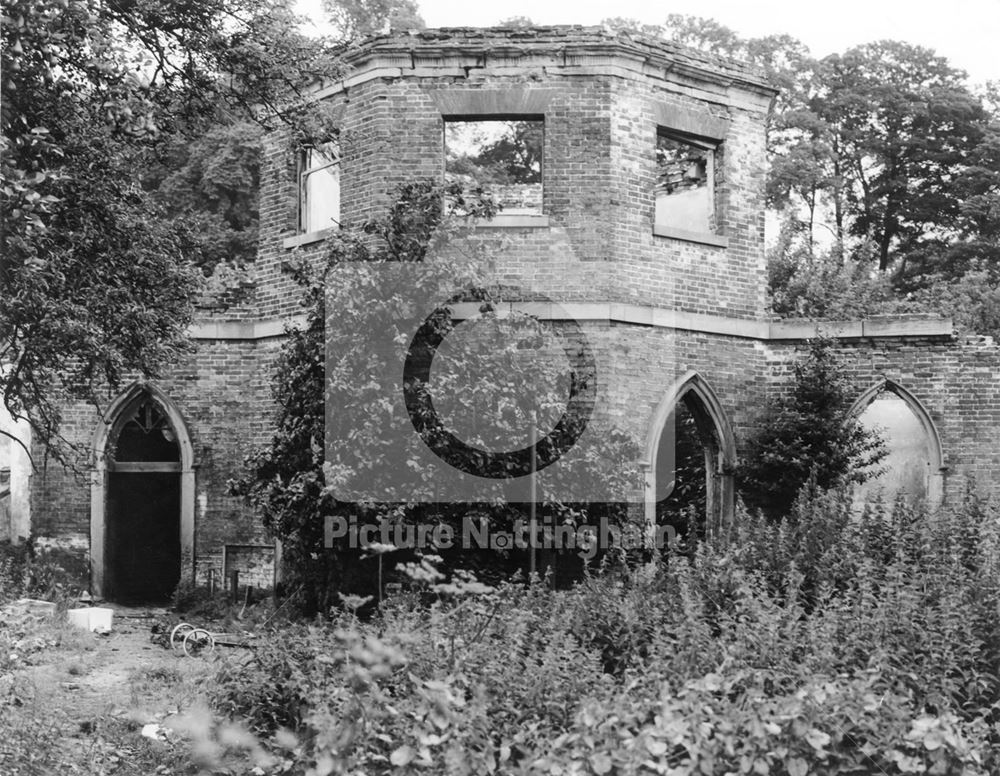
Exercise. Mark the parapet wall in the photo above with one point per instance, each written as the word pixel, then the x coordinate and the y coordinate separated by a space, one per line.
pixel 602 98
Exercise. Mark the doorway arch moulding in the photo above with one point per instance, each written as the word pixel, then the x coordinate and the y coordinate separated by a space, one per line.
pixel 719 468
pixel 108 427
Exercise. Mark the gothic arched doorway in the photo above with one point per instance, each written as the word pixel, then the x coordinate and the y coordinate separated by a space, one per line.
pixel 141 508
pixel 690 456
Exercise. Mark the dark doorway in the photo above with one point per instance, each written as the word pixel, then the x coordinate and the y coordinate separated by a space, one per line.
pixel 685 472
pixel 142 535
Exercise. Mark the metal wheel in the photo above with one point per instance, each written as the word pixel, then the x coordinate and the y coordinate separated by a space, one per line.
pixel 198 641
pixel 177 634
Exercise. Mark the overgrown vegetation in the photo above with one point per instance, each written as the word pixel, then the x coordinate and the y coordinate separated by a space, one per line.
pixel 808 433
pixel 812 641
pixel 29 572
pixel 121 119
pixel 822 643
pixel 84 303
pixel 301 478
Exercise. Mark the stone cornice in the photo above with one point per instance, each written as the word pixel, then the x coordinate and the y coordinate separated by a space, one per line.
pixel 569 44
pixel 654 317
pixel 637 315
pixel 242 331
pixel 563 51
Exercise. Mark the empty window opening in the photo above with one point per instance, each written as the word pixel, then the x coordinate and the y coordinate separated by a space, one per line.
pixel 319 187
pixel 6 499
pixel 685 183
pixel 502 156
pixel 906 469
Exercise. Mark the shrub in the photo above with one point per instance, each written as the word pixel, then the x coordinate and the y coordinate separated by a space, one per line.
pixel 27 571
pixel 293 482
pixel 809 433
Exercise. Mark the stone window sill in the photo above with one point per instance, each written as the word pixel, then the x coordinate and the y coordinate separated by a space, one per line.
pixel 705 238
pixel 306 239
pixel 514 221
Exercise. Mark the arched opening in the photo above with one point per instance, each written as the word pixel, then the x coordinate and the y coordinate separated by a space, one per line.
pixel 142 500
pixel 914 466
pixel 690 455
pixel 684 471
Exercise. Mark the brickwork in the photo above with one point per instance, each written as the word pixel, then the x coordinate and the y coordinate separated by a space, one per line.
pixel 223 392
pixel 253 562
pixel 656 307
pixel 956 380
pixel 598 167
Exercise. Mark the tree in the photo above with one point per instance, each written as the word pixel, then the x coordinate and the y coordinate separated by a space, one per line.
pixel 809 433
pixel 888 149
pixel 90 90
pixel 972 246
pixel 906 126
pixel 355 19
pixel 84 302
pixel 126 119
pixel 512 156
pixel 804 282
pixel 516 21
pixel 884 145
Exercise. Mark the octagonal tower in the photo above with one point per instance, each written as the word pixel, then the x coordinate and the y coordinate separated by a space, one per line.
pixel 648 226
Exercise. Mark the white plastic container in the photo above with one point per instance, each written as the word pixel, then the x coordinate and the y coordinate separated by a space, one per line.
pixel 92 618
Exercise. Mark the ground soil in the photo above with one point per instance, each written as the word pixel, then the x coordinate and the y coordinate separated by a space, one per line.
pixel 78 702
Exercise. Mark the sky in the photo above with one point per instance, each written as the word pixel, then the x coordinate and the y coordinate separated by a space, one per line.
pixel 967 32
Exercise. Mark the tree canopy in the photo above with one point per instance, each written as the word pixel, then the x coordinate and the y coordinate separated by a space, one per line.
pixel 129 161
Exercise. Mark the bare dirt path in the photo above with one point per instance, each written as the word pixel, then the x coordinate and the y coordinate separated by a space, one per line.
pixel 74 702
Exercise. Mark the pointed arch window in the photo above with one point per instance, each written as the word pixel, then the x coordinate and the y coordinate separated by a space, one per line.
pixel 914 466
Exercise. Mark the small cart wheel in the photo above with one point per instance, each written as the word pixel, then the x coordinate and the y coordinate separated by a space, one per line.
pixel 177 634
pixel 197 642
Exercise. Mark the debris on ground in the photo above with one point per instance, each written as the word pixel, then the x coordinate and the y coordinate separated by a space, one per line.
pixel 23 606
pixel 92 618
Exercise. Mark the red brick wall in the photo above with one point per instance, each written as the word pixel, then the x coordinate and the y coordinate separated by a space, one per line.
pixel 223 392
pixel 602 98
pixel 957 380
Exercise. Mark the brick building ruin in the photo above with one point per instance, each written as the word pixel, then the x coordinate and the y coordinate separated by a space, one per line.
pixel 645 223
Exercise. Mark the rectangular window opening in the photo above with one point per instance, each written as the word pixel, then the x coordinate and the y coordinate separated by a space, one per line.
pixel 503 156
pixel 319 187
pixel 685 183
